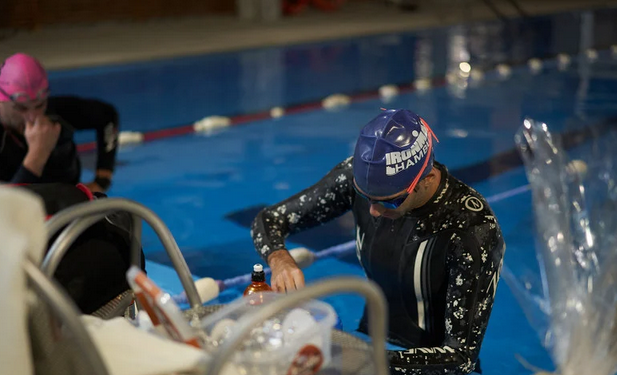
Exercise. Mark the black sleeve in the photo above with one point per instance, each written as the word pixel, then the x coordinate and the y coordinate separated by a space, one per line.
pixel 328 199
pixel 25 176
pixel 90 114
pixel 474 262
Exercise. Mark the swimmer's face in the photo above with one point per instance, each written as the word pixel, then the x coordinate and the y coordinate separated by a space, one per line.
pixel 382 206
pixel 391 207
pixel 15 115
pixel 379 210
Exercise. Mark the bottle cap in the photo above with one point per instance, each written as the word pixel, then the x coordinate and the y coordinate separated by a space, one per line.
pixel 258 268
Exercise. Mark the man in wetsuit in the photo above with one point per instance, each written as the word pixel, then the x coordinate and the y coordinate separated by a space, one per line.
pixel 36 136
pixel 428 240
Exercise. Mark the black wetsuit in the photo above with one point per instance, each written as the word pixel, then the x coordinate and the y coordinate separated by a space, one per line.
pixel 63 164
pixel 93 271
pixel 438 265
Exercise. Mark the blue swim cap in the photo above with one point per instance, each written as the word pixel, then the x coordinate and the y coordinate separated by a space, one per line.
pixel 394 152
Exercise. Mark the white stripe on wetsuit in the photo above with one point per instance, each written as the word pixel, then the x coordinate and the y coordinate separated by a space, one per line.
pixel 417 282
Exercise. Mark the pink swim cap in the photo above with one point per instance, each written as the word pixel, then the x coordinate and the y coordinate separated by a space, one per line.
pixel 22 79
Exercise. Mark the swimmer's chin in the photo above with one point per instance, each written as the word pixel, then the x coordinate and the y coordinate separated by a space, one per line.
pixel 391 215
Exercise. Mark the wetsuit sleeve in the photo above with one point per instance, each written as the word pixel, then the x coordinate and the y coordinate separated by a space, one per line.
pixel 328 199
pixel 474 262
pixel 90 114
pixel 25 176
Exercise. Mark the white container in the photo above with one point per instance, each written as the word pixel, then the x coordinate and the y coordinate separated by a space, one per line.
pixel 298 338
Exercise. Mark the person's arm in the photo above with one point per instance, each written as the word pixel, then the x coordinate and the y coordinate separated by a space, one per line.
pixel 85 114
pixel 474 268
pixel 25 176
pixel 328 199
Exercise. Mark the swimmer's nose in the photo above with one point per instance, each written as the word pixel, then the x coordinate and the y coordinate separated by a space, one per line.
pixel 376 210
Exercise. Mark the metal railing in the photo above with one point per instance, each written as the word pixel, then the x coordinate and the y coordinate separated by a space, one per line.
pixel 64 308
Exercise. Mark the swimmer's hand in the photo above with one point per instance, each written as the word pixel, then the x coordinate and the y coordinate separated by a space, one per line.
pixel 94 187
pixel 41 135
pixel 286 276
pixel 103 175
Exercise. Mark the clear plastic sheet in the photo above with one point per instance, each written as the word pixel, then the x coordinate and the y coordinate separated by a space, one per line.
pixel 570 295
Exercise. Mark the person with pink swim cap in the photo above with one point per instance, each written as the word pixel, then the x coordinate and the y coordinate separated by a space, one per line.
pixel 36 136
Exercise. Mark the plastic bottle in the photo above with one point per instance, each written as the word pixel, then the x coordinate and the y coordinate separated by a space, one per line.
pixel 258 284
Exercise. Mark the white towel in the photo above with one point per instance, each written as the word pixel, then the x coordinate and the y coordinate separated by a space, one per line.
pixel 128 350
pixel 23 235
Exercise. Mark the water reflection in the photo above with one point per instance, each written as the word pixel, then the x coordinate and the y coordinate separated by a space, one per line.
pixel 176 92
